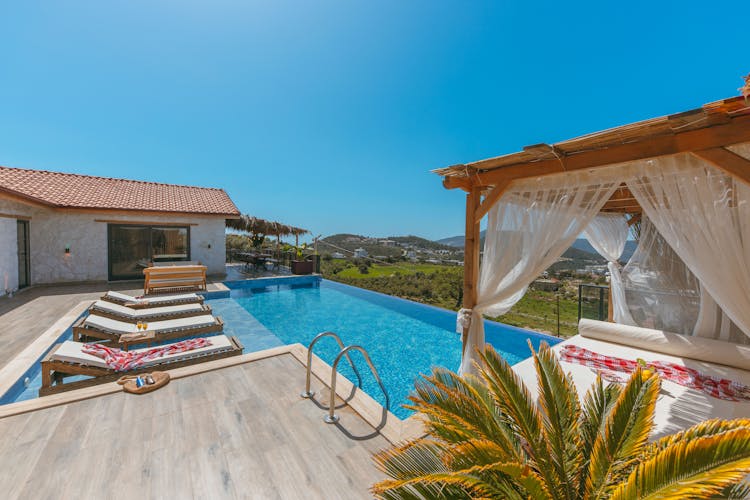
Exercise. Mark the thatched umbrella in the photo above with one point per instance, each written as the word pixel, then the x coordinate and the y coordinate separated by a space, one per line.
pixel 260 228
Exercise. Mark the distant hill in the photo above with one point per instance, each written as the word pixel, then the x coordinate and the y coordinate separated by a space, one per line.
pixel 391 246
pixel 583 244
pixel 579 244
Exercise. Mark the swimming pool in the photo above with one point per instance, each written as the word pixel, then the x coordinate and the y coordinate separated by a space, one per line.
pixel 404 339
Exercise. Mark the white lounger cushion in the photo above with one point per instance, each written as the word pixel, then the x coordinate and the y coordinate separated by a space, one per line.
pixel 701 349
pixel 127 312
pixel 157 299
pixel 119 327
pixel 677 408
pixel 71 352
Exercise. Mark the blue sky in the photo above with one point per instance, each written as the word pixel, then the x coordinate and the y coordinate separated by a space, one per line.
pixel 329 115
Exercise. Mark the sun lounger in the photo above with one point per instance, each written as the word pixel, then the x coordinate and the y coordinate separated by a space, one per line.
pixel 678 407
pixel 99 327
pixel 68 359
pixel 123 313
pixel 152 301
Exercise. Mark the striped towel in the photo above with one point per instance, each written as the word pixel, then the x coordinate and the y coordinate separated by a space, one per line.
pixel 121 361
pixel 608 366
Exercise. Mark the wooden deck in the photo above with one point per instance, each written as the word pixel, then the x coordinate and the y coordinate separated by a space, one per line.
pixel 31 312
pixel 237 432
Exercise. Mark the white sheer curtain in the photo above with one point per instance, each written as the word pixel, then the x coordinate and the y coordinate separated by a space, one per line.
pixel 714 323
pixel 608 234
pixel 660 290
pixel 531 226
pixel 704 215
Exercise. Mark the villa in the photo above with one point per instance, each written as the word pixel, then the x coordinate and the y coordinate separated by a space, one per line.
pixel 285 386
pixel 62 228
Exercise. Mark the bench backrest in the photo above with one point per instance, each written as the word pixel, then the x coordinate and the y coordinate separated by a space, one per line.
pixel 174 277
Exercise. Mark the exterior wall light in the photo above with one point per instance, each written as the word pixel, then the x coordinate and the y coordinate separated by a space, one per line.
pixel 67 249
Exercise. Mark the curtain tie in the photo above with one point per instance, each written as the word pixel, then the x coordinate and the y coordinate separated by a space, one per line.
pixel 463 320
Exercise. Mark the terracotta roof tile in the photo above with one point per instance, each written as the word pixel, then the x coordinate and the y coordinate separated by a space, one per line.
pixel 84 191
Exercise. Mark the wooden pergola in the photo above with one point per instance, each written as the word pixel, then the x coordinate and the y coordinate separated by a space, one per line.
pixel 704 132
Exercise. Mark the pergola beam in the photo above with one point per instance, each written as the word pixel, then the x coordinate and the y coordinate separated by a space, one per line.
pixel 727 161
pixel 735 130
pixel 490 200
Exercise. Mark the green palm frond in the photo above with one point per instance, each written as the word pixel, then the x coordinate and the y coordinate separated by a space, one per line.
pixel 561 411
pixel 596 406
pixel 417 459
pixel 462 409
pixel 514 400
pixel 698 468
pixel 706 428
pixel 489 438
pixel 624 436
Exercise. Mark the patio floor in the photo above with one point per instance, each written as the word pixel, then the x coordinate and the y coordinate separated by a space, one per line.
pixel 236 432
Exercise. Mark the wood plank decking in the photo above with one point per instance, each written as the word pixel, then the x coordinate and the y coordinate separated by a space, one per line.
pixel 237 432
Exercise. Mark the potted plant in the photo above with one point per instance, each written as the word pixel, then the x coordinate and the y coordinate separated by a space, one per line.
pixel 300 265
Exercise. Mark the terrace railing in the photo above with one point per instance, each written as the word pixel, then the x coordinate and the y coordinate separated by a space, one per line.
pixel 593 302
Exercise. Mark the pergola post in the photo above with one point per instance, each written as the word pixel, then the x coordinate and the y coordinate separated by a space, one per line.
pixel 471 255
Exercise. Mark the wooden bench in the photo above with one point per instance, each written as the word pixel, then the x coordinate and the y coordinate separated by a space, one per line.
pixel 172 278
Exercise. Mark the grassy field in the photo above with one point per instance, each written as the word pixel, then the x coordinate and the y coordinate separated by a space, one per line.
pixel 379 270
pixel 442 286
pixel 538 311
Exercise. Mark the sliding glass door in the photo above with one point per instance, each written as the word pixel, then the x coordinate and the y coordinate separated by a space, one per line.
pixel 23 254
pixel 133 248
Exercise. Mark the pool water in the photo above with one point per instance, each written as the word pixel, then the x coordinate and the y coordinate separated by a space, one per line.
pixel 404 339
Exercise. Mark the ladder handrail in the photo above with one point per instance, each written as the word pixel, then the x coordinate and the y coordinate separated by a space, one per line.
pixel 332 417
pixel 308 393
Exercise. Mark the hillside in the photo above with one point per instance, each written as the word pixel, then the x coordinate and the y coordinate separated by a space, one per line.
pixel 392 246
pixel 581 244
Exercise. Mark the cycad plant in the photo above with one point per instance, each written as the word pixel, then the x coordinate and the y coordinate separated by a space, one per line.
pixel 488 438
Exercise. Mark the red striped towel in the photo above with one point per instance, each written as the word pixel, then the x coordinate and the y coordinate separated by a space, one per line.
pixel 121 361
pixel 607 366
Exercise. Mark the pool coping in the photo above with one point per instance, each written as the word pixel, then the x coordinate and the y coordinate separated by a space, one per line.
pixel 393 429
pixel 11 373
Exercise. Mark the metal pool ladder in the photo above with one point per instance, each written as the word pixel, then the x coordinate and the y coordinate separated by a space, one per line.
pixel 332 418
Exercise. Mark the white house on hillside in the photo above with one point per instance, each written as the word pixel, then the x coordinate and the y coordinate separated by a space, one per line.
pixel 57 227
pixel 360 253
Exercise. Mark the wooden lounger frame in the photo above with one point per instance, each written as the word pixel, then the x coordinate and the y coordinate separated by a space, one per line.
pixel 80 331
pixel 205 309
pixel 135 305
pixel 56 371
pixel 174 278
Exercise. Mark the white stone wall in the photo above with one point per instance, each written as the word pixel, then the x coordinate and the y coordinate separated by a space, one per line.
pixel 52 230
pixel 8 243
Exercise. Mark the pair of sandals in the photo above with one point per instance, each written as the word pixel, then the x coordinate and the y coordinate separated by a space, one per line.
pixel 128 383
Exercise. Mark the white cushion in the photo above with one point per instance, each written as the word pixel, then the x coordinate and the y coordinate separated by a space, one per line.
pixel 677 408
pixel 118 327
pixel 156 299
pixel 698 348
pixel 127 312
pixel 71 352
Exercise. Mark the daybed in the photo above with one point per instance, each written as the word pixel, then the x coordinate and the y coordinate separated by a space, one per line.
pixel 678 407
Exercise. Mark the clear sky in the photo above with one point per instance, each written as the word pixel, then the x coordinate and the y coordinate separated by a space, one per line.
pixel 329 115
